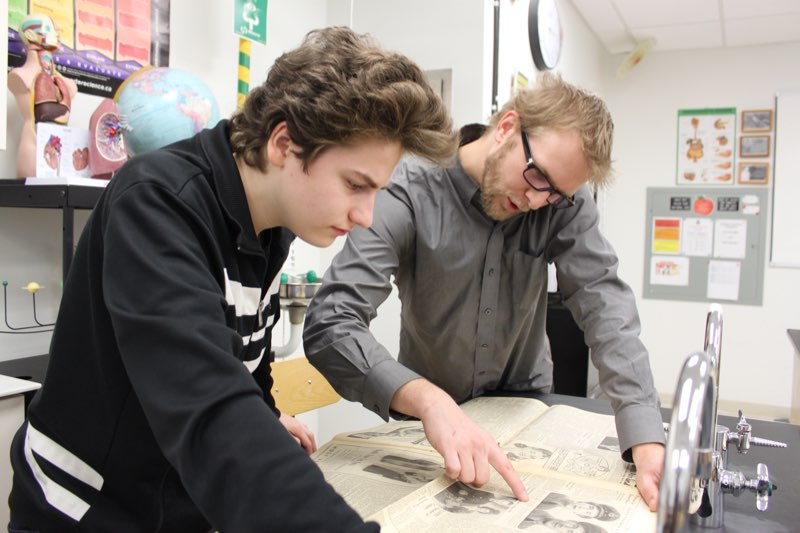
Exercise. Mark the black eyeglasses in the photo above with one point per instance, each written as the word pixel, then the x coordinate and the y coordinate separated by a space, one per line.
pixel 540 182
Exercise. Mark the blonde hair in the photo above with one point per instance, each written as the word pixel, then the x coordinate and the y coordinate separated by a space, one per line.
pixel 555 104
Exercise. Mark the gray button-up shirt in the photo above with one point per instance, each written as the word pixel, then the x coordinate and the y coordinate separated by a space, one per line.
pixel 474 300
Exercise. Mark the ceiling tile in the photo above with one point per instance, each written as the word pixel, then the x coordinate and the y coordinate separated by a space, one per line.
pixel 687 24
pixel 603 19
pixel 619 42
pixel 601 13
pixel 762 30
pixel 737 9
pixel 652 13
pixel 682 37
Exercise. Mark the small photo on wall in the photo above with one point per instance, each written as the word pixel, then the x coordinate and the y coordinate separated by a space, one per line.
pixel 754 146
pixel 753 173
pixel 755 120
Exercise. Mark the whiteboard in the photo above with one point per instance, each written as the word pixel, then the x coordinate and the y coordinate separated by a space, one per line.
pixel 785 250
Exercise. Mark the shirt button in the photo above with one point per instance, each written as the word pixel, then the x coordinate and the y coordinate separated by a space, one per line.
pixel 491 272
pixel 487 311
pixel 484 346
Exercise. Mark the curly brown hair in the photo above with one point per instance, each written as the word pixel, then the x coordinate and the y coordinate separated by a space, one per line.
pixel 339 88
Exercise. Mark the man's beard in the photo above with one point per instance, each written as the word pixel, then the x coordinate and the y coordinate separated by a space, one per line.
pixel 493 197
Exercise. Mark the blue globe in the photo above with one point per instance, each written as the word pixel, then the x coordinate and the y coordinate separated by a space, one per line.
pixel 159 106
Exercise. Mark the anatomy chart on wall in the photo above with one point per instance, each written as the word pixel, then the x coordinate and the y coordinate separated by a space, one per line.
pixel 706 146
pixel 101 42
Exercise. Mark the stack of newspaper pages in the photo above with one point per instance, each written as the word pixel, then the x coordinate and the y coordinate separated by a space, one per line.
pixel 569 460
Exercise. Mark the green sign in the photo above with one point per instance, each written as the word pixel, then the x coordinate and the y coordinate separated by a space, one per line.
pixel 250 20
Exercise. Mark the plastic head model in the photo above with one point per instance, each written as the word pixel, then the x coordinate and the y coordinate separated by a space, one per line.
pixel 39 31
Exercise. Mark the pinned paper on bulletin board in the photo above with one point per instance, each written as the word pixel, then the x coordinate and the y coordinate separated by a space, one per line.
pixel 666 235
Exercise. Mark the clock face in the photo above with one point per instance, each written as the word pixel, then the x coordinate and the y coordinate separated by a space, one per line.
pixel 544 33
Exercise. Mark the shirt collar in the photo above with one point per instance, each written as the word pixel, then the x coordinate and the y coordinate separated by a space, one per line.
pixel 466 187
pixel 227 181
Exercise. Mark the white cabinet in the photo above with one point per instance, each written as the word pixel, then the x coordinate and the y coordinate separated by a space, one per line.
pixel 12 414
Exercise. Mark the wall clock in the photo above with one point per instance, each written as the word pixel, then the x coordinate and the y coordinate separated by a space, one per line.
pixel 544 33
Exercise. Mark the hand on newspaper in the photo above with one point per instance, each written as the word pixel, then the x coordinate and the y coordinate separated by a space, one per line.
pixel 649 460
pixel 300 432
pixel 468 450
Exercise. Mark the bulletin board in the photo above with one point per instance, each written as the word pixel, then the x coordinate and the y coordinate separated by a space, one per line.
pixel 706 244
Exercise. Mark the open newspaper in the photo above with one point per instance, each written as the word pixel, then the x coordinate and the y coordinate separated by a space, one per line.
pixel 568 459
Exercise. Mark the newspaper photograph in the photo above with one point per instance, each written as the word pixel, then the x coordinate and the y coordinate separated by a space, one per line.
pixel 555 505
pixel 371 478
pixel 407 434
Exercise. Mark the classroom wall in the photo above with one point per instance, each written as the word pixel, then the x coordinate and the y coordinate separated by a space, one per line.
pixel 757 357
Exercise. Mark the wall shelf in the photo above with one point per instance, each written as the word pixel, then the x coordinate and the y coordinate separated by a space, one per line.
pixel 67 197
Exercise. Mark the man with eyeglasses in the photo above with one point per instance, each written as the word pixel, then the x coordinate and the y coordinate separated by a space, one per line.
pixel 468 248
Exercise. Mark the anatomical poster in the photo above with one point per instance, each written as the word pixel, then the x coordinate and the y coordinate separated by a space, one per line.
pixel 706 146
pixel 101 42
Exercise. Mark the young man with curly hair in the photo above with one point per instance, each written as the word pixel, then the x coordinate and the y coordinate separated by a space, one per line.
pixel 156 412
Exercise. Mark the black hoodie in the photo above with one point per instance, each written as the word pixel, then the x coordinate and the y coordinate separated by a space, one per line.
pixel 155 414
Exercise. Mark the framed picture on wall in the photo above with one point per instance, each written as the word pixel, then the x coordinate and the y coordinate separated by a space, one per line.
pixel 751 173
pixel 755 120
pixel 754 146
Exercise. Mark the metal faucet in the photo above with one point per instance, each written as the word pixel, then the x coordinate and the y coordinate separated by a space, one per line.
pixel 690 442
pixel 695 475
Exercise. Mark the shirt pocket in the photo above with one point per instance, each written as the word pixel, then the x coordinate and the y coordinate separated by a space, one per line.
pixel 528 274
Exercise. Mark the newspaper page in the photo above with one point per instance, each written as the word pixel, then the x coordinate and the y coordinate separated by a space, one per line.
pixel 504 417
pixel 573 442
pixel 375 467
pixel 444 506
pixel 569 460
pixel 370 478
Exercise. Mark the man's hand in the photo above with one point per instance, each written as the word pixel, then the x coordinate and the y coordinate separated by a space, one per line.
pixel 649 461
pixel 300 432
pixel 467 449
